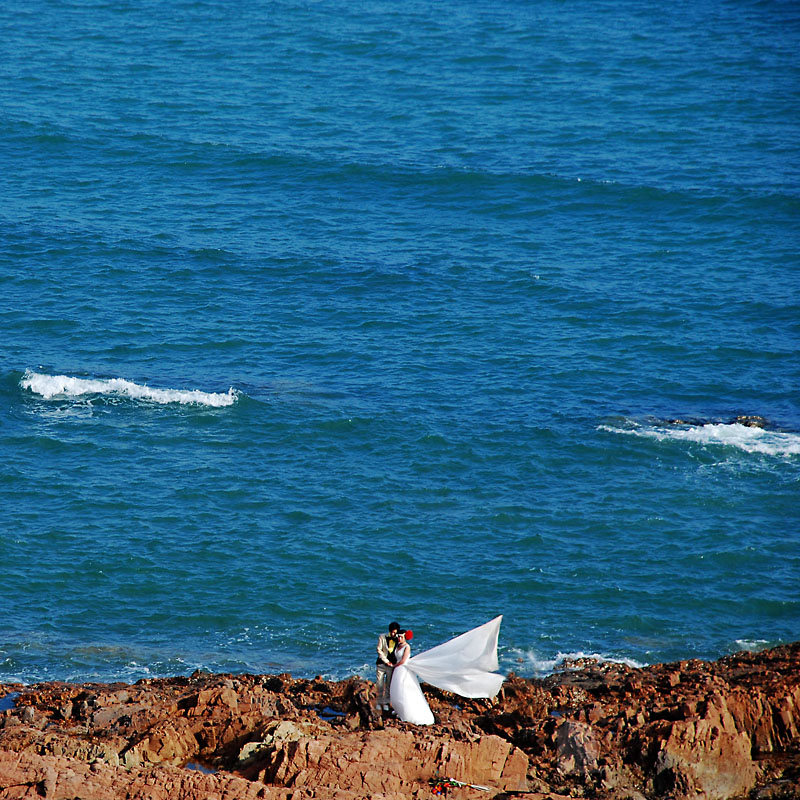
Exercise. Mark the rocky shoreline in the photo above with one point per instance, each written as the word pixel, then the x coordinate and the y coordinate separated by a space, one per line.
pixel 719 730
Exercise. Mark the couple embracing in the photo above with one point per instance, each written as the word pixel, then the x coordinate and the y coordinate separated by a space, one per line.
pixel 465 665
pixel 393 650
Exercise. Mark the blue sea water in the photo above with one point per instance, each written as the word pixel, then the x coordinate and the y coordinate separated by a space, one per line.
pixel 320 314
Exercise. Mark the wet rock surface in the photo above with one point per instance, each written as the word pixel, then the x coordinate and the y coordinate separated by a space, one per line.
pixel 747 420
pixel 724 729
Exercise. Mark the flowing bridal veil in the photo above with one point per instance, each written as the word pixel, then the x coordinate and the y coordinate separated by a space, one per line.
pixel 465 665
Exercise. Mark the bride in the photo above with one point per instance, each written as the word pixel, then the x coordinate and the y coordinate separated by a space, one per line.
pixel 465 665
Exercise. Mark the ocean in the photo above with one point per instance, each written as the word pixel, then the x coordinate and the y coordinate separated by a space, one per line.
pixel 317 315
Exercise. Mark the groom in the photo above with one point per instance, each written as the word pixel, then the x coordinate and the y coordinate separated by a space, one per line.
pixel 386 660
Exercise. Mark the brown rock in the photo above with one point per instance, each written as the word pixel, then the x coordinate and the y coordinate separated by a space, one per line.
pixel 171 742
pixel 708 757
pixel 686 730
pixel 392 762
pixel 578 748
pixel 29 776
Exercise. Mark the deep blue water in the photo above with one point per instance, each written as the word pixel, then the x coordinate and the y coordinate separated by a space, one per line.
pixel 318 314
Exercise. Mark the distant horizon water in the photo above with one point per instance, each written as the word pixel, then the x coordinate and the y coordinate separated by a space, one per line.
pixel 316 316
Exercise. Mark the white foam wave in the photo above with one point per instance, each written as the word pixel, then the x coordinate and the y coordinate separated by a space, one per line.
pixel 547 666
pixel 752 645
pixel 751 440
pixel 57 386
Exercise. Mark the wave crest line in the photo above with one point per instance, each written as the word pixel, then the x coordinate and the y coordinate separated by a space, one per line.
pixel 54 386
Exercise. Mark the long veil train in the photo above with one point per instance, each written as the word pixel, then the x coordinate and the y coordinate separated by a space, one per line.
pixel 465 665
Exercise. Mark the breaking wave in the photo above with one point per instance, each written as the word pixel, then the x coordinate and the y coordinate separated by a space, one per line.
pixel 63 386
pixel 751 440
pixel 527 661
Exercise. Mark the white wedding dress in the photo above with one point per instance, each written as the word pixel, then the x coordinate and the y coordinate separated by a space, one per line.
pixel 465 665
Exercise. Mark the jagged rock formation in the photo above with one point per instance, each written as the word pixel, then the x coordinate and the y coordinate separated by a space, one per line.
pixel 728 729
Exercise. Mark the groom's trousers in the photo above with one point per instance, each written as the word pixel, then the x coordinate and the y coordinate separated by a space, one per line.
pixel 383 680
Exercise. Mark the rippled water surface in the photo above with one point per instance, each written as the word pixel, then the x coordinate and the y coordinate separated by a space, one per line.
pixel 316 315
